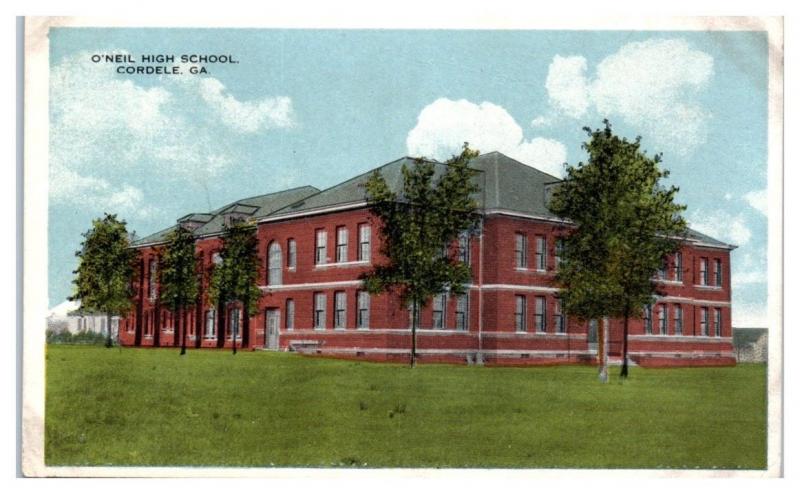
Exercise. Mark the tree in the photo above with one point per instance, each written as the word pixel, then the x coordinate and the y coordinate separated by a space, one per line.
pixel 235 278
pixel 418 226
pixel 179 283
pixel 103 281
pixel 626 224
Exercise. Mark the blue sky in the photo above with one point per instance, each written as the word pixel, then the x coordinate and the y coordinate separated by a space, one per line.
pixel 317 107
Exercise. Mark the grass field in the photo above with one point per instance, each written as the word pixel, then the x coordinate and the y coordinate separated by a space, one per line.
pixel 153 407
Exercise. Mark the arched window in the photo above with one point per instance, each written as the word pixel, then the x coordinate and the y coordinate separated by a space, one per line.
pixel 275 264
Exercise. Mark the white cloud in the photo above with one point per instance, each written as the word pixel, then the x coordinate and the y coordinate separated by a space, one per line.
pixel 541 121
pixel 246 117
pixel 444 125
pixel 105 126
pixel 722 226
pixel 758 200
pixel 92 193
pixel 651 85
pixel 749 269
pixel 567 86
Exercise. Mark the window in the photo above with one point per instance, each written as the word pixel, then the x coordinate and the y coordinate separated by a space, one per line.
pixel 662 271
pixel 540 316
pixel 291 254
pixel 364 234
pixel 703 271
pixel 678 320
pixel 363 309
pixel 717 322
pixel 541 253
pixel 339 310
pixel 290 314
pixel 559 251
pixel 341 244
pixel 718 272
pixel 152 286
pixel 463 248
pixel 662 319
pixel 678 266
pixel 234 324
pixel 704 321
pixel 519 314
pixel 321 252
pixel 439 305
pixel 462 303
pixel 275 263
pixel 412 317
pixel 521 250
pixel 648 319
pixel 319 310
pixel 561 319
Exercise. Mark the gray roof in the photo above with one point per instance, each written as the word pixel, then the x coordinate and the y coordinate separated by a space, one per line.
pixel 255 207
pixel 506 184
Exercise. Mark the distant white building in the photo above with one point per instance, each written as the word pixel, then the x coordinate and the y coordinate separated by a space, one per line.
pixel 68 316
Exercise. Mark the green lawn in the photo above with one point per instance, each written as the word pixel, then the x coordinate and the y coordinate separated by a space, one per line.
pixel 153 407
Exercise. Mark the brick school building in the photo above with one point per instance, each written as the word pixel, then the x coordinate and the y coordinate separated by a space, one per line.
pixel 314 245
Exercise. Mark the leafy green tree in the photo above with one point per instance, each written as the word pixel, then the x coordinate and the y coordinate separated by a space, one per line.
pixel 235 278
pixel 179 279
pixel 103 279
pixel 418 226
pixel 625 225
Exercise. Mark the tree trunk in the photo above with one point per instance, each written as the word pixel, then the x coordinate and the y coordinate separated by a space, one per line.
pixel 603 351
pixel 624 372
pixel 413 332
pixel 109 342
pixel 183 331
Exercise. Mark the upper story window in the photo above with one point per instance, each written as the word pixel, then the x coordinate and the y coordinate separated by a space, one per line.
pixel 521 250
pixel 275 264
pixel 678 266
pixel 540 316
pixel 541 253
pixel 152 280
pixel 463 248
pixel 291 254
pixel 520 323
pixel 321 251
pixel 662 270
pixel 438 311
pixel 363 309
pixel 717 272
pixel 559 251
pixel 364 234
pixel 341 244
pixel 703 271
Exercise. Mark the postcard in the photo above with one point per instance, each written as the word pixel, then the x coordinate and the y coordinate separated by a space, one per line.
pixel 275 250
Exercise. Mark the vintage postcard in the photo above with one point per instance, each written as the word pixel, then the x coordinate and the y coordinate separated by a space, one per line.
pixel 273 250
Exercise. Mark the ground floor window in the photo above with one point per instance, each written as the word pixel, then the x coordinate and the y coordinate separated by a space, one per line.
pixel 662 319
pixel 340 310
pixel 704 321
pixel 678 320
pixel 438 311
pixel 519 313
pixel 648 319
pixel 540 316
pixel 319 310
pixel 290 314
pixel 234 324
pixel 717 322
pixel 561 319
pixel 363 309
pixel 211 331
pixel 462 303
